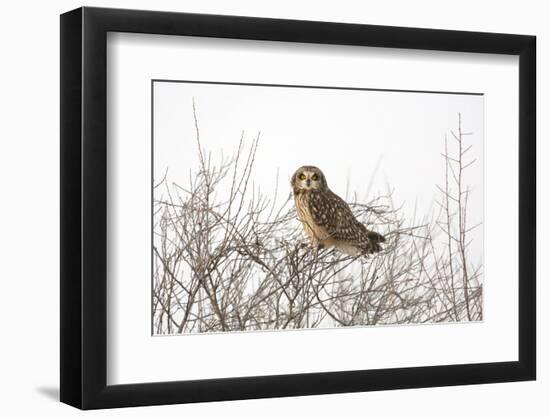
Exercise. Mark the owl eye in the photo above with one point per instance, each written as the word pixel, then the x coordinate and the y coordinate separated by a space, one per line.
pixel 314 177
pixel 302 176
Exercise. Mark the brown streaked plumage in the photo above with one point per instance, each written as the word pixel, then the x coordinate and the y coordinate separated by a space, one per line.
pixel 327 219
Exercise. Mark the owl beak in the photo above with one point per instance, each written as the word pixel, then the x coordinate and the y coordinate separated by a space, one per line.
pixel 308 182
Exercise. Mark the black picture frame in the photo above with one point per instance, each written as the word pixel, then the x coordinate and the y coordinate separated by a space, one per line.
pixel 84 207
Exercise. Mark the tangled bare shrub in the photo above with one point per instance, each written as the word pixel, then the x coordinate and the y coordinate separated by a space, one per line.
pixel 236 260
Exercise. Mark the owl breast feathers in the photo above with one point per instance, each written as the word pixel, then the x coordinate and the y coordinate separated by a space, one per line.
pixel 328 220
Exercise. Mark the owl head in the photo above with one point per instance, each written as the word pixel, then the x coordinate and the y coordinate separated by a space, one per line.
pixel 308 178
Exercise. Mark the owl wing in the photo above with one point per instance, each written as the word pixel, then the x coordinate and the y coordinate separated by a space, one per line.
pixel 331 212
pixel 328 210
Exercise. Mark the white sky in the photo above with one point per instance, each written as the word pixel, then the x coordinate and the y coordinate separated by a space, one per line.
pixel 346 133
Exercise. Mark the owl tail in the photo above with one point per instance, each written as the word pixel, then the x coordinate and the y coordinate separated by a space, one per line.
pixel 374 242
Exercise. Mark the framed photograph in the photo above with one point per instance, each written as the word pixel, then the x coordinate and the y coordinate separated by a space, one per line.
pixel 256 207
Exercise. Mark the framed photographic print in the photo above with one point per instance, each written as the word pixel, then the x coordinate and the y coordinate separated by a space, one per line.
pixel 257 207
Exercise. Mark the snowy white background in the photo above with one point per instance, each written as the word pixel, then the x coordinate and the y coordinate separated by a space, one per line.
pixel 374 139
pixel 30 150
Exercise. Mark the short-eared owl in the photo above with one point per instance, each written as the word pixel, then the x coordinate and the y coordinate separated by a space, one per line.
pixel 327 219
